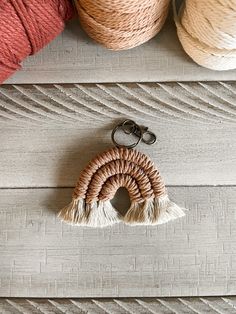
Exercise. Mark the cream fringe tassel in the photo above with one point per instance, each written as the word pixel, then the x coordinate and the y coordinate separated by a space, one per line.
pixel 155 211
pixel 96 214
pixel 102 214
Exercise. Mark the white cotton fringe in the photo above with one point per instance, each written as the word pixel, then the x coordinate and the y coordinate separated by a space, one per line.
pixel 155 211
pixel 102 214
pixel 74 213
pixel 97 214
pixel 168 210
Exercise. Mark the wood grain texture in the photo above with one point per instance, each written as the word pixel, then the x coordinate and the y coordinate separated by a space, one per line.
pixel 55 130
pixel 74 104
pixel 54 157
pixel 74 58
pixel 42 257
pixel 47 135
pixel 49 132
pixel 213 305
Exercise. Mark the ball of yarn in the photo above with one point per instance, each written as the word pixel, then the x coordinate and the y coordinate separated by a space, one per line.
pixel 26 26
pixel 122 24
pixel 207 32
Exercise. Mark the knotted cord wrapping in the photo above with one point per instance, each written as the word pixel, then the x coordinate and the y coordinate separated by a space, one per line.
pixel 122 24
pixel 207 32
pixel 146 180
pixel 104 175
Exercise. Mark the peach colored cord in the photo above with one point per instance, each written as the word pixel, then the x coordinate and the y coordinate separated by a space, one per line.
pixel 26 26
pixel 122 24
pixel 207 32
pixel 119 167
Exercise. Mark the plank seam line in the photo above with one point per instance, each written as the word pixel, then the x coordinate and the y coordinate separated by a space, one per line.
pixel 122 82
pixel 72 187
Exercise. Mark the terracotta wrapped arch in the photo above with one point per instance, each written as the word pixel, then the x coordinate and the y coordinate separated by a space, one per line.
pixel 104 175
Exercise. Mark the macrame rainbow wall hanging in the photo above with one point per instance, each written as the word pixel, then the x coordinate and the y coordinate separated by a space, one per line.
pixel 104 175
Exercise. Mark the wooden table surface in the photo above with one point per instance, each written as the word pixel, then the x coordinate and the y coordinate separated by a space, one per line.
pixel 57 113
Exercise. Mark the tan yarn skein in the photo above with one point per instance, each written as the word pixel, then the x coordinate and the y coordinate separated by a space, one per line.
pixel 122 24
pixel 207 32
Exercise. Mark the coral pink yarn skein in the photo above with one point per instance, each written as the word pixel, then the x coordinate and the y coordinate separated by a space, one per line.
pixel 26 26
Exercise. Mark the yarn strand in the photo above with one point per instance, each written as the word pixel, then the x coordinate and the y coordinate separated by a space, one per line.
pixel 26 26
pixel 122 24
pixel 207 32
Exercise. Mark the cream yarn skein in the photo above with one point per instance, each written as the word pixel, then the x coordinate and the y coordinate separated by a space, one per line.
pixel 207 32
pixel 122 24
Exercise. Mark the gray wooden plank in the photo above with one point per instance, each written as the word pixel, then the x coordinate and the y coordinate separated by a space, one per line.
pixel 45 129
pixel 75 58
pixel 42 257
pixel 89 306
pixel 208 103
pixel 27 306
pixel 219 305
pixel 135 306
pixel 154 305
pixel 54 157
